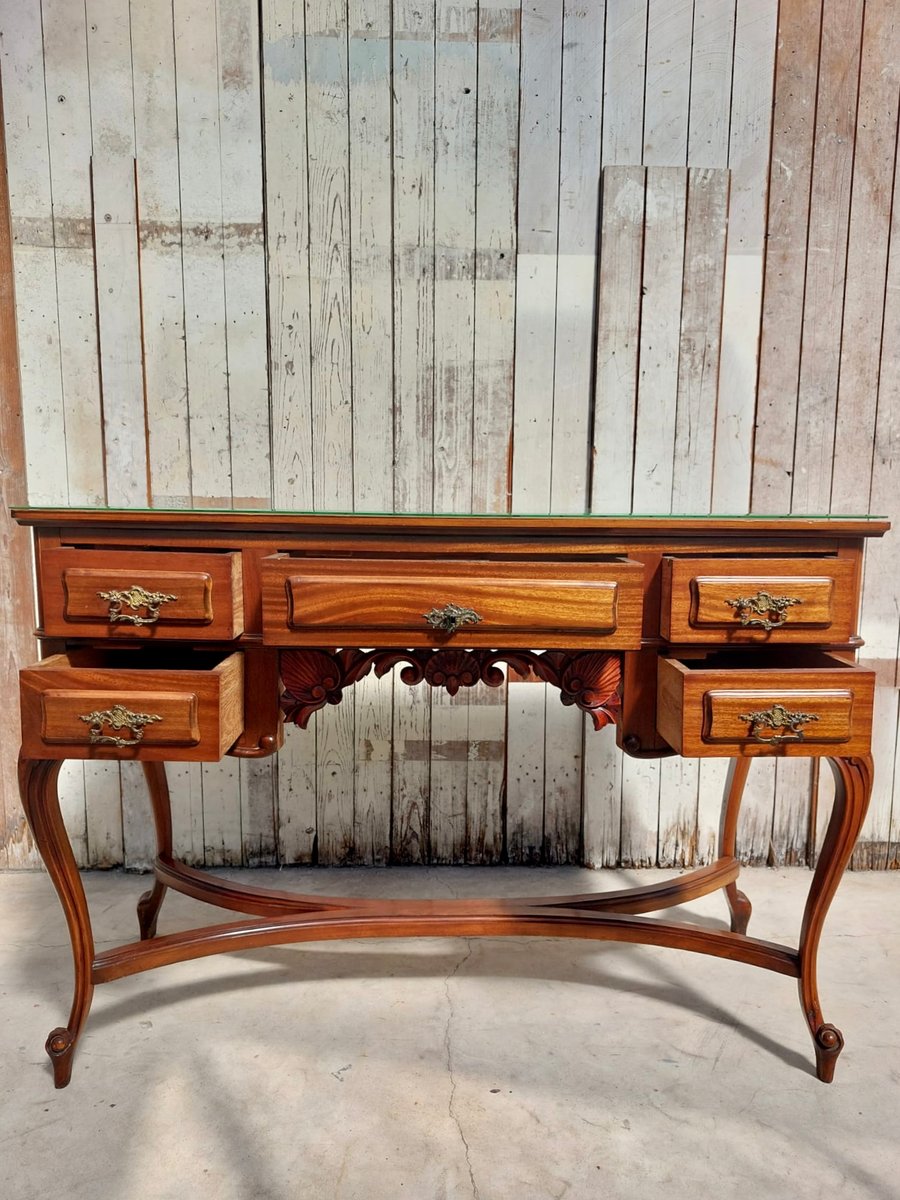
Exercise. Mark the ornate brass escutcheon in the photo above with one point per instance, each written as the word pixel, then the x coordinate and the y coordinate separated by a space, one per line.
pixel 451 617
pixel 778 718
pixel 117 717
pixel 763 611
pixel 135 597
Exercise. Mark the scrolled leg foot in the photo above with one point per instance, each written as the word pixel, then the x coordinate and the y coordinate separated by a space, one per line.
pixel 60 1047
pixel 829 1042
pixel 740 908
pixel 148 907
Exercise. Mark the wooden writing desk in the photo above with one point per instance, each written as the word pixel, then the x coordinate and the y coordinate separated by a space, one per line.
pixel 185 636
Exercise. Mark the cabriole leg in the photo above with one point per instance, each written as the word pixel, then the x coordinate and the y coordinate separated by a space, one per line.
pixel 854 787
pixel 150 902
pixel 40 799
pixel 738 904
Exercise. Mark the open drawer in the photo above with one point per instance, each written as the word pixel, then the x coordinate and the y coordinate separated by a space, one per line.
pixel 426 602
pixel 131 704
pixel 141 594
pixel 797 702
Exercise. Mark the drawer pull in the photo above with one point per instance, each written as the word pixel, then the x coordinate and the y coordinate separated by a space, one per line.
pixel 451 617
pixel 763 611
pixel 778 718
pixel 135 597
pixel 117 717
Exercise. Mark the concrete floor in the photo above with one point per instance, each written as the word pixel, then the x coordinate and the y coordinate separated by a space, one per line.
pixel 500 1069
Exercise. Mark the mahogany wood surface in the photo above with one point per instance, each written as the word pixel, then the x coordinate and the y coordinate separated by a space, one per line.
pixel 206 594
pixel 696 595
pixel 597 602
pixel 623 616
pixel 702 706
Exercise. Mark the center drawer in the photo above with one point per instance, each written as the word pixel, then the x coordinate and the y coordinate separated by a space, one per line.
pixel 316 601
pixel 788 702
pixel 129 704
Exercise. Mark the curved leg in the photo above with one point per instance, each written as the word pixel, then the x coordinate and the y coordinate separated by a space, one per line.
pixel 854 786
pixel 150 902
pixel 40 799
pixel 738 904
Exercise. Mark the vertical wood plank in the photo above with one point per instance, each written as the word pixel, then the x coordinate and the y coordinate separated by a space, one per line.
pixel 752 92
pixel 186 793
pixel 69 143
pixel 873 850
pixel 37 319
pixel 793 128
pixel 663 272
pixel 370 101
pixel 369 65
pixel 287 250
pixel 654 448
pixel 297 796
pixel 197 98
pixel 413 165
pixel 860 403
pixel 28 168
pixel 880 618
pixel 206 350
pixel 700 339
pixel 867 254
pixel 162 311
pixel 579 207
pixel 618 337
pixel 499 33
pixel 287 225
pixel 413 66
pixel 579 211
pixel 712 63
pixel 455 156
pixel 538 225
pixel 540 118
pixel 826 256
pixel 328 151
pixel 527 706
pixel 625 72
pixel 497 168
pixel 240 133
pixel 748 160
pixel 16 595
pixel 160 230
pixel 115 239
pixel 667 88
pixel 327 114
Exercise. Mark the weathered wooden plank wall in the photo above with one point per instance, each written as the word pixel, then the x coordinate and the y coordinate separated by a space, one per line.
pixel 483 255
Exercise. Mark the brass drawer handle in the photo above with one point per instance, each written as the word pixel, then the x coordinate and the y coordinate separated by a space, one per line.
pixel 763 611
pixel 117 717
pixel 135 597
pixel 451 617
pixel 778 718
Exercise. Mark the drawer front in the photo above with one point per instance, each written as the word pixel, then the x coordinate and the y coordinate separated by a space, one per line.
pixel 311 601
pixel 777 715
pixel 133 594
pixel 770 600
pixel 823 707
pixel 83 706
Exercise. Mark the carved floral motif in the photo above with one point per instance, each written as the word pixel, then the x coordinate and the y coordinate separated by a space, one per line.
pixel 313 678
